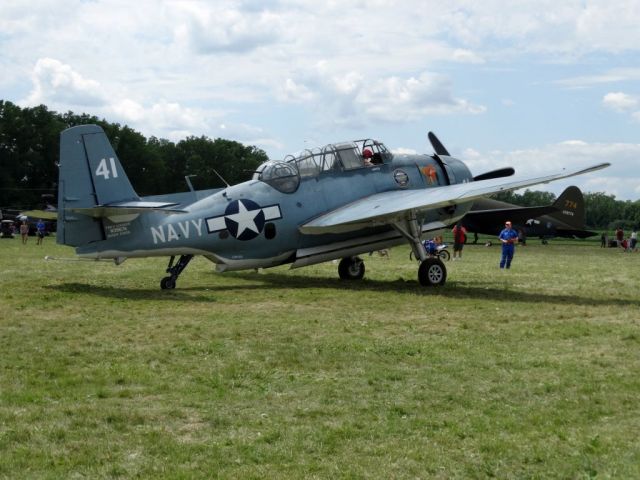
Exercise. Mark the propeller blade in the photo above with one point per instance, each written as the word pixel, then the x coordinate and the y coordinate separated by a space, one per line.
pixel 437 145
pixel 501 172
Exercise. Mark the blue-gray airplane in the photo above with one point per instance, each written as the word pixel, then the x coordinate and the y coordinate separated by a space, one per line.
pixel 334 202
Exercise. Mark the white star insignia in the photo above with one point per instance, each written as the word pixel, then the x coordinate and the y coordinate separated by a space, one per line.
pixel 245 219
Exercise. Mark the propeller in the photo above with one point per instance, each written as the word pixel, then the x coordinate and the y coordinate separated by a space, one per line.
pixel 500 172
pixel 437 145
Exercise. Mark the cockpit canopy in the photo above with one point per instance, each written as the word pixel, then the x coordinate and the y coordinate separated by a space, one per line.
pixel 285 175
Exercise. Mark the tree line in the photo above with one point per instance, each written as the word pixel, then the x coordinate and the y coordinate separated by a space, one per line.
pixel 30 144
pixel 29 150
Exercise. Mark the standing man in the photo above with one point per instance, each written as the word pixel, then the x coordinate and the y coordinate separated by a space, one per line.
pixel 459 237
pixel 508 237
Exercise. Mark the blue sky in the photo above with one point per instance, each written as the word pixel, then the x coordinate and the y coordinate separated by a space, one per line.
pixel 533 84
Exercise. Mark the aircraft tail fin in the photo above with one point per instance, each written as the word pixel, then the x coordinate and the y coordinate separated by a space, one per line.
pixel 90 175
pixel 570 208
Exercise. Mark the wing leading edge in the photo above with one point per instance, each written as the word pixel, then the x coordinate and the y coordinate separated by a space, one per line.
pixel 388 207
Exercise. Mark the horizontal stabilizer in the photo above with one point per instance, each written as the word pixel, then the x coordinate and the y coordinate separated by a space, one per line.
pixel 126 208
pixel 515 214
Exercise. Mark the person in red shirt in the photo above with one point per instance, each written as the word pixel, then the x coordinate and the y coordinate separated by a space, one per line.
pixel 459 237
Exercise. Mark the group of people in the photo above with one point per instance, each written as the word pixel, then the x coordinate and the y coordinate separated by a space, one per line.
pixel 627 244
pixel 40 232
pixel 508 237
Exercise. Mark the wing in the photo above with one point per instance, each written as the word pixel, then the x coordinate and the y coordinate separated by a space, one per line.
pixel 389 207
pixel 517 215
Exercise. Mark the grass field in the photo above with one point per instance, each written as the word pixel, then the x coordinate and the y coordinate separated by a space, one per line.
pixel 529 373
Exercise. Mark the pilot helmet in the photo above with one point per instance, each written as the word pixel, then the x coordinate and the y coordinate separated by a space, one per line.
pixel 367 153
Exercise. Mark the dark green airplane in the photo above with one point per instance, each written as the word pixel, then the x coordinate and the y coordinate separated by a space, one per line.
pixel 564 218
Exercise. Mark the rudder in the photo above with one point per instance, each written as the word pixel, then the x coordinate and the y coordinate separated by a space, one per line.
pixel 570 205
pixel 90 175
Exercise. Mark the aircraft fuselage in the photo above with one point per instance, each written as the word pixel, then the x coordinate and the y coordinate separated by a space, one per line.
pixel 253 224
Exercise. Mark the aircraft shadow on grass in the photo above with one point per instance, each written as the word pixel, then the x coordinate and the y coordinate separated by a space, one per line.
pixel 278 281
pixel 135 293
pixel 456 289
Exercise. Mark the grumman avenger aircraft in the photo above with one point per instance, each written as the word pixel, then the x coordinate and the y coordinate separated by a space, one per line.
pixel 334 202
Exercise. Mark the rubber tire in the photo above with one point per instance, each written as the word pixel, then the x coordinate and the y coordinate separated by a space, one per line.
pixel 351 268
pixel 432 272
pixel 167 283
pixel 444 255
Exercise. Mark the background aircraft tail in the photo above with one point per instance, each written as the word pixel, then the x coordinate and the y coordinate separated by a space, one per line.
pixel 570 208
pixel 90 175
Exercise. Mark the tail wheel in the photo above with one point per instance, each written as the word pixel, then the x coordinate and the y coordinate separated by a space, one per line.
pixel 351 268
pixel 432 272
pixel 167 283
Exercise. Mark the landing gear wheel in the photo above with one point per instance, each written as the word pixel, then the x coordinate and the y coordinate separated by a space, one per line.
pixel 444 255
pixel 432 272
pixel 174 271
pixel 351 268
pixel 168 283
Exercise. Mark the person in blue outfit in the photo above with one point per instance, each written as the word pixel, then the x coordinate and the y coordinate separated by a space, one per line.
pixel 508 236
pixel 40 232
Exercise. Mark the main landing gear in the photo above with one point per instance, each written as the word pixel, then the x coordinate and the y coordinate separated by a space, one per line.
pixel 351 268
pixel 168 283
pixel 432 271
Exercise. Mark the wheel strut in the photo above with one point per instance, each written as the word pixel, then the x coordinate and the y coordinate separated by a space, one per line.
pixel 174 271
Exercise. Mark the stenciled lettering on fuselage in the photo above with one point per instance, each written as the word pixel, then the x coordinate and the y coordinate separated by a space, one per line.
pixel 175 231
pixel 244 219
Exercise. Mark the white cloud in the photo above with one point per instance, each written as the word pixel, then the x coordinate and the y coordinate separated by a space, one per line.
pixel 290 69
pixel 211 28
pixel 400 100
pixel 295 92
pixel 616 75
pixel 57 83
pixel 571 154
pixel 467 56
pixel 621 102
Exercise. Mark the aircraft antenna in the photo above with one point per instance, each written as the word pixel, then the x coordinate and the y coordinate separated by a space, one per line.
pixel 187 178
pixel 220 177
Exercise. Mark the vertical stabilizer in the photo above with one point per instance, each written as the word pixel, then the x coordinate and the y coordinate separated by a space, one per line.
pixel 90 175
pixel 570 205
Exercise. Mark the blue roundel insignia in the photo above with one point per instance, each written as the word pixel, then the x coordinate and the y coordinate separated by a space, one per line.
pixel 401 177
pixel 244 219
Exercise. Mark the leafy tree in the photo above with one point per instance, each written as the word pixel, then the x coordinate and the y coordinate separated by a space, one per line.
pixel 529 198
pixel 30 145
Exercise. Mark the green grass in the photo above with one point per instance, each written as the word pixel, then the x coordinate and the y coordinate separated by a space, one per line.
pixel 530 373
